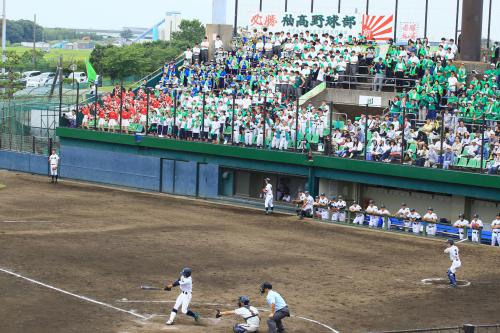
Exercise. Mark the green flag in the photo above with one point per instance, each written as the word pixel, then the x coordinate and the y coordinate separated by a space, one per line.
pixel 91 72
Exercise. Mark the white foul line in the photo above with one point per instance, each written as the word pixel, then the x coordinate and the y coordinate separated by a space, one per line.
pixel 71 294
pixel 331 329
pixel 27 221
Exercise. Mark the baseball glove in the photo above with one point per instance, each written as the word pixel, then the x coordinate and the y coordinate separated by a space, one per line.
pixel 167 288
pixel 218 315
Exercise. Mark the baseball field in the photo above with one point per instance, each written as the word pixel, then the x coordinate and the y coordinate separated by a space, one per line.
pixel 73 258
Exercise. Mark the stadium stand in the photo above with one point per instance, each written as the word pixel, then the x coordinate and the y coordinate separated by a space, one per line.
pixel 441 116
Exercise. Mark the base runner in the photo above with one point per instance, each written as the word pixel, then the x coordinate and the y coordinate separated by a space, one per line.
pixel 247 312
pixel 185 283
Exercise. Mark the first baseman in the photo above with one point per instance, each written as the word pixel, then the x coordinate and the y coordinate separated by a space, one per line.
pixel 185 283
pixel 247 312
pixel 452 250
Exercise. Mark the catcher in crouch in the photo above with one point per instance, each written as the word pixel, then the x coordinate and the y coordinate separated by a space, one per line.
pixel 247 312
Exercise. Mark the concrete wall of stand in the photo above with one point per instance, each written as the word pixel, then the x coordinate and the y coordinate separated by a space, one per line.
pixel 139 171
pixel 25 162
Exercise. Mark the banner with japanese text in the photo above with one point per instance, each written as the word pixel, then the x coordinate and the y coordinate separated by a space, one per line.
pixel 374 27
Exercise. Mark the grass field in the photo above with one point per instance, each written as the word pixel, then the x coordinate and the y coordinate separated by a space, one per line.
pixel 53 54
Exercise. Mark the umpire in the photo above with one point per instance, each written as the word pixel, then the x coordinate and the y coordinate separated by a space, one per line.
pixel 279 309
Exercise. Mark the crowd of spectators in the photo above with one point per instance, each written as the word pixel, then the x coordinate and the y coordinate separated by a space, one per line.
pixel 442 116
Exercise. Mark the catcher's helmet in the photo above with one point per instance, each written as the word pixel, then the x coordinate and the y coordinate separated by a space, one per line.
pixel 186 272
pixel 264 286
pixel 450 241
pixel 243 300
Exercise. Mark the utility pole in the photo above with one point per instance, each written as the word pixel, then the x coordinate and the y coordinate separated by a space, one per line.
pixel 34 41
pixel 4 38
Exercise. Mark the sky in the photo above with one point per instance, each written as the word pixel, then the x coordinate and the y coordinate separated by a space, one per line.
pixel 116 14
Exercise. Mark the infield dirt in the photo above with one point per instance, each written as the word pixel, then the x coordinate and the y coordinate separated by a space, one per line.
pixel 104 243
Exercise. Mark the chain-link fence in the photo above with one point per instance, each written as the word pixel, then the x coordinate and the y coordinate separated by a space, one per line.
pixel 28 121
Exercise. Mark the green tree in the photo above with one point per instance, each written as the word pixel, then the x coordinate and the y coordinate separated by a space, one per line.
pixel 190 31
pixel 22 31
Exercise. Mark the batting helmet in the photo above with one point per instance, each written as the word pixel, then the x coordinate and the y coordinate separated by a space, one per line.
pixel 461 216
pixel 264 286
pixel 186 272
pixel 243 300
pixel 450 241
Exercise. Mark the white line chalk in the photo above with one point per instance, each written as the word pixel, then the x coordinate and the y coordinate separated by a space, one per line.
pixel 85 298
pixel 331 329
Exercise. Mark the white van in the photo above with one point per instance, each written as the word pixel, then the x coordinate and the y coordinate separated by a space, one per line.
pixel 40 80
pixel 25 76
pixel 80 77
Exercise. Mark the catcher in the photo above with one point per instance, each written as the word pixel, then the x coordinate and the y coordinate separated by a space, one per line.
pixel 247 312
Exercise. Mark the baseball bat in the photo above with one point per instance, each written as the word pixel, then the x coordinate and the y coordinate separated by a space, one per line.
pixel 147 287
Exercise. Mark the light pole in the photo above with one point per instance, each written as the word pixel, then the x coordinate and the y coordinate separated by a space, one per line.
pixel 4 37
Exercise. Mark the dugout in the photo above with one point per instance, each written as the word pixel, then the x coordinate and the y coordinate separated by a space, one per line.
pixel 245 183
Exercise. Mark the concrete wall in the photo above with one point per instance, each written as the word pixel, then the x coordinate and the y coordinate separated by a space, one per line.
pixel 345 96
pixel 110 167
pixel 25 162
pixel 140 171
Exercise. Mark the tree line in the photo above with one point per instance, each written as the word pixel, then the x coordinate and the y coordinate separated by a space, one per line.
pixel 22 31
pixel 140 59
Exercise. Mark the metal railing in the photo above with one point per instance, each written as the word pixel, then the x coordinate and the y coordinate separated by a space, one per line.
pixel 421 145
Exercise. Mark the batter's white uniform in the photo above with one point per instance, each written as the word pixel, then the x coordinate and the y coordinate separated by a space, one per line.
pixel 370 210
pixel 54 163
pixel 454 257
pixel 251 317
pixel 268 200
pixel 475 232
pixel 461 225
pixel 430 229
pixel 495 233
pixel 184 298
pixel 359 218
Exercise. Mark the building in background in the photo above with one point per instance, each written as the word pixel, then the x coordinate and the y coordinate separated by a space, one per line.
pixel 172 23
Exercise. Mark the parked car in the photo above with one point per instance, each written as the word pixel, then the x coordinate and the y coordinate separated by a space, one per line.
pixel 25 76
pixel 80 77
pixel 40 80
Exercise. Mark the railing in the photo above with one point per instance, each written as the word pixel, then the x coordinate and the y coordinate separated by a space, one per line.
pixel 393 223
pixel 419 146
